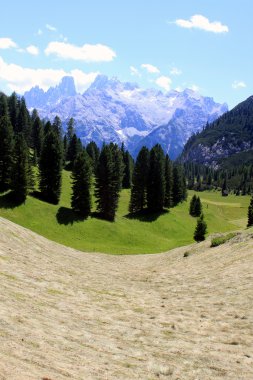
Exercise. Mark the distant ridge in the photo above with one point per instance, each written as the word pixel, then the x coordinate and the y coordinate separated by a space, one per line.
pixel 110 110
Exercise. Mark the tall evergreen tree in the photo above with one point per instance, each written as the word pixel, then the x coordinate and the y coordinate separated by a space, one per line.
pixel 13 110
pixel 75 147
pixel 108 181
pixel 70 129
pixel 200 230
pixel 81 177
pixel 138 198
pixel 57 126
pixel 50 166
pixel 20 169
pixel 156 179
pixel 23 121
pixel 37 135
pixel 168 200
pixel 6 152
pixel 128 170
pixel 4 111
pixel 93 152
pixel 195 206
pixel 179 185
pixel 250 213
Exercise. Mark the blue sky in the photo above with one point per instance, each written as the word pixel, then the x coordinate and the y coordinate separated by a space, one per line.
pixel 200 44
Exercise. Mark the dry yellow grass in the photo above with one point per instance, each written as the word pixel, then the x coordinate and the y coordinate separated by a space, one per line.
pixel 65 314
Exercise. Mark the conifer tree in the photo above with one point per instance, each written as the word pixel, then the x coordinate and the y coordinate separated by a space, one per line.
pixel 156 179
pixel 81 182
pixel 50 167
pixel 250 213
pixel 179 185
pixel 75 147
pixel 37 135
pixel 128 170
pixel 23 121
pixel 200 230
pixel 70 129
pixel 6 152
pixel 57 126
pixel 168 200
pixel 13 110
pixel 108 181
pixel 192 205
pixel 4 111
pixel 20 169
pixel 138 198
pixel 93 152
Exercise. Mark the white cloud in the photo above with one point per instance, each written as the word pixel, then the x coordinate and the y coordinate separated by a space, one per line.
pixel 150 68
pixel 175 71
pixel 51 28
pixel 194 88
pixel 238 84
pixel 7 43
pixel 164 82
pixel 87 52
pixel 33 50
pixel 21 79
pixel 202 22
pixel 134 71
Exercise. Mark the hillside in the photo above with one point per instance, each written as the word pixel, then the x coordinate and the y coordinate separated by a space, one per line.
pixel 228 141
pixel 66 314
pixel 113 111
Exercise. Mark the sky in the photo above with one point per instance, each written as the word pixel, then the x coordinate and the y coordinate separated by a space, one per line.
pixel 205 45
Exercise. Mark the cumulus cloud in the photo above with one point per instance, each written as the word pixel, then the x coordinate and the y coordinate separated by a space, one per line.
pixel 87 52
pixel 202 22
pixel 7 43
pixel 194 88
pixel 134 71
pixel 238 84
pixel 164 82
pixel 33 50
pixel 51 28
pixel 150 68
pixel 21 79
pixel 175 71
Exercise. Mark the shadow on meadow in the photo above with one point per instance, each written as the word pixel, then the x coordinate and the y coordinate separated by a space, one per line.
pixel 9 201
pixel 67 216
pixel 146 215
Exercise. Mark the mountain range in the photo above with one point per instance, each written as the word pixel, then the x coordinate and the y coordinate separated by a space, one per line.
pixel 113 111
pixel 227 142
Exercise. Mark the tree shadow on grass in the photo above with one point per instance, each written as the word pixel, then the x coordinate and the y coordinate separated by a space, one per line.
pixel 146 215
pixel 9 201
pixel 67 216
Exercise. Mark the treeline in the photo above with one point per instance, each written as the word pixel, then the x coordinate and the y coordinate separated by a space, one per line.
pixel 237 179
pixel 33 153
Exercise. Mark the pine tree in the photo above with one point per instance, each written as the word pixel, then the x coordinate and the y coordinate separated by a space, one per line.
pixel 81 177
pixel 179 185
pixel 108 181
pixel 128 170
pixel 20 169
pixel 93 152
pixel 201 229
pixel 70 129
pixel 37 135
pixel 4 111
pixel 198 207
pixel 168 201
pixel 138 198
pixel 75 147
pixel 23 121
pixel 13 110
pixel 50 167
pixel 57 126
pixel 250 213
pixel 192 205
pixel 6 152
pixel 156 179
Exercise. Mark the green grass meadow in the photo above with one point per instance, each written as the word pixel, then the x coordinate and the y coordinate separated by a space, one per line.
pixel 126 235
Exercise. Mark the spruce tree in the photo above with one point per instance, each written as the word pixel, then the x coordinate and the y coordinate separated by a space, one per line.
pixel 75 147
pixel 20 169
pixel 156 180
pixel 108 181
pixel 128 170
pixel 23 121
pixel 168 200
pixel 192 205
pixel 138 198
pixel 13 110
pixel 93 152
pixel 198 207
pixel 179 185
pixel 200 230
pixel 37 135
pixel 250 213
pixel 81 182
pixel 6 152
pixel 50 167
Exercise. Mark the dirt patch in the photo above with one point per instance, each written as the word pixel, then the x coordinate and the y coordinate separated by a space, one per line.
pixel 66 314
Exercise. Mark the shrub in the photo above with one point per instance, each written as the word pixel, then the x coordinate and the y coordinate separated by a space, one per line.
pixel 222 239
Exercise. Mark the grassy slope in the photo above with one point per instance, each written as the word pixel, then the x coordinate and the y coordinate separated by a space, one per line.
pixel 126 236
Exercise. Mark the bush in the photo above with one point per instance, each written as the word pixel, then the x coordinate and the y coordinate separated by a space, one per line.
pixel 222 239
